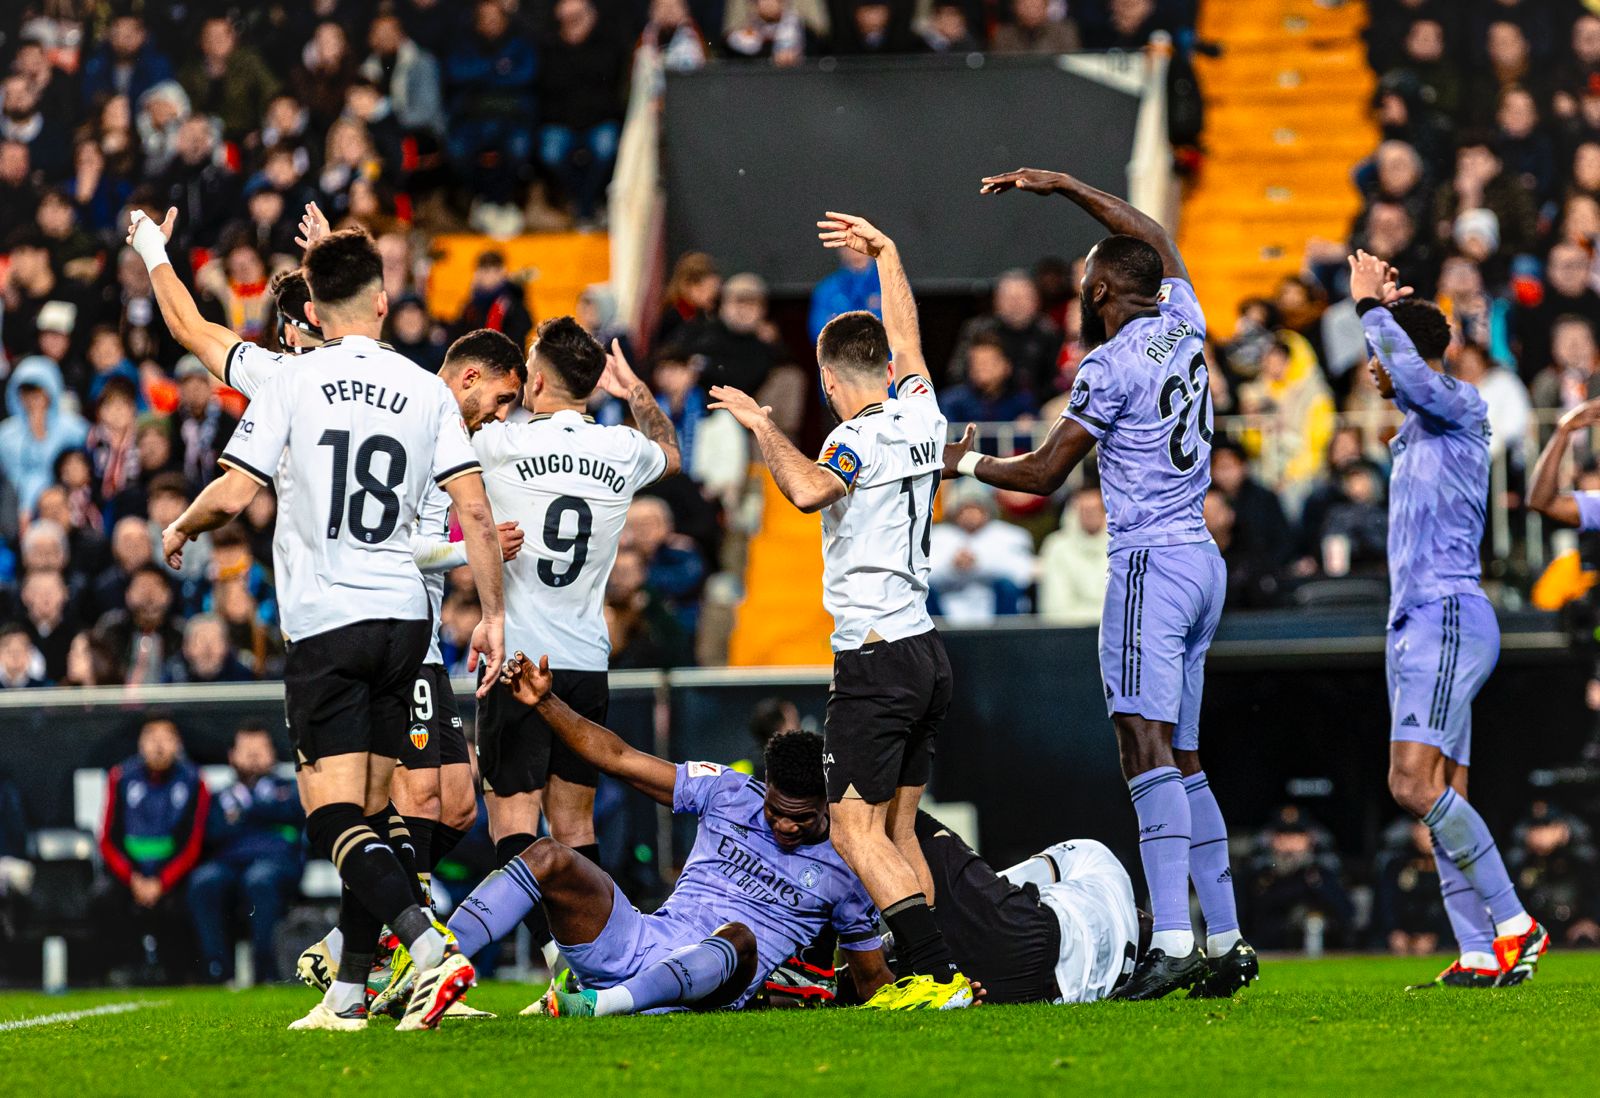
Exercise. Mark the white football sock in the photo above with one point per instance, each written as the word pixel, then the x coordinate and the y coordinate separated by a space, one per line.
pixel 1174 943
pixel 1218 944
pixel 342 996
pixel 428 950
pixel 1478 960
pixel 334 942
pixel 613 1000
pixel 1517 924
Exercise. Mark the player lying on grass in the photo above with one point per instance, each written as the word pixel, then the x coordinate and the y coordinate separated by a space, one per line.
pixel 762 880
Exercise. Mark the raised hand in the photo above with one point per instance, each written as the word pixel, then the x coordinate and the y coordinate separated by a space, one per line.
pixel 839 230
pixel 1584 415
pixel 529 684
pixel 618 378
pixel 1034 180
pixel 313 226
pixel 741 404
pixel 1374 277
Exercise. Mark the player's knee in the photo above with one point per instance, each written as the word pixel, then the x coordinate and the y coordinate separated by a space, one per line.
pixel 547 859
pixel 1413 791
pixel 1187 762
pixel 742 938
pixel 459 813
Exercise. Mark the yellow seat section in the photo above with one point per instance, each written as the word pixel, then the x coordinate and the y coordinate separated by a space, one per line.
pixel 781 620
pixel 1288 115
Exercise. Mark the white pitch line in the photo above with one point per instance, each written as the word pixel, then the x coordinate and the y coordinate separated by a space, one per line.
pixel 75 1015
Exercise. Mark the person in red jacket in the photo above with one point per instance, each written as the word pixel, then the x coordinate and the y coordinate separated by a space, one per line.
pixel 150 839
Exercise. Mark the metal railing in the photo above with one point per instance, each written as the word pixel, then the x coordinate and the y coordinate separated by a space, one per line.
pixel 1517 537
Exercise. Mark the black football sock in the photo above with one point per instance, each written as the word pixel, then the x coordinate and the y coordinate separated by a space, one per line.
pixel 393 825
pixel 921 947
pixel 422 843
pixel 378 889
pixel 445 839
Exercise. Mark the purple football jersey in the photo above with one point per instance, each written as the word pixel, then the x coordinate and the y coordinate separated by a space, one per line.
pixel 1588 510
pixel 1439 489
pixel 737 873
pixel 1144 394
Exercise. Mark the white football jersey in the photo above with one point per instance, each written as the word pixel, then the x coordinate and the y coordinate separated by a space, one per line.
pixel 567 481
pixel 876 537
pixel 352 434
pixel 247 368
pixel 1090 892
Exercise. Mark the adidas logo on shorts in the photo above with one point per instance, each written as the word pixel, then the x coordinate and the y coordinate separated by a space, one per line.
pixel 1410 721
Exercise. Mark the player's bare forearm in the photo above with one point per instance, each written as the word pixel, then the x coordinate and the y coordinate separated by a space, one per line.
pixel 868 971
pixel 1039 471
pixel 607 752
pixel 900 314
pixel 218 504
pixel 1124 218
pixel 483 544
pixel 208 342
pixel 655 425
pixel 802 481
pixel 1544 494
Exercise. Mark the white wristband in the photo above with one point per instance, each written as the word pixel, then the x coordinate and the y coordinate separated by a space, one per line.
pixel 968 465
pixel 148 241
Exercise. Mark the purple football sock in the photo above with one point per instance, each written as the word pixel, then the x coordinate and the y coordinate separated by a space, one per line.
pixel 1461 833
pixel 1208 857
pixel 495 907
pixel 685 975
pixel 1469 919
pixel 1163 811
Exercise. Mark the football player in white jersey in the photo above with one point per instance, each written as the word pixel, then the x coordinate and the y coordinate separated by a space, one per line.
pixel 875 485
pixel 434 789
pixel 352 435
pixel 567 481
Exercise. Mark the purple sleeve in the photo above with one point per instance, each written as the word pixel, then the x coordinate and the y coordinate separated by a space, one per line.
pixel 1588 510
pixel 856 920
pixel 1177 298
pixel 695 785
pixel 1097 400
pixel 1418 386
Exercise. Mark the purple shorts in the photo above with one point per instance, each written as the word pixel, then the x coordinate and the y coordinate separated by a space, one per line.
pixel 1161 611
pixel 630 941
pixel 1438 657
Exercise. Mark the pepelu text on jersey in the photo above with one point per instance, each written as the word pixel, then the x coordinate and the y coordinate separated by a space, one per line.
pixel 545 464
pixel 376 395
pixel 1161 346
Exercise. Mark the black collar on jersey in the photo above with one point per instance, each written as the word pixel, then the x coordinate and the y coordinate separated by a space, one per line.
pixel 537 416
pixel 869 410
pixel 336 340
pixel 1145 314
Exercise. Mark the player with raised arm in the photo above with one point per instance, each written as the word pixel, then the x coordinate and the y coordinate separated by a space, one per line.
pixel 351 434
pixel 1443 636
pixel 1141 394
pixel 761 881
pixel 567 481
pixel 875 485
pixel 434 791
pixel 1580 509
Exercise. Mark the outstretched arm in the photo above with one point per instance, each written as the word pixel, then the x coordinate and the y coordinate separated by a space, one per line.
pixel 620 381
pixel 219 503
pixel 483 555
pixel 841 230
pixel 600 747
pixel 208 342
pixel 1544 495
pixel 1108 209
pixel 802 481
pixel 1039 471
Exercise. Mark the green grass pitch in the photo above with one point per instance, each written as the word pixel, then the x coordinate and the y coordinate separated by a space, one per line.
pixel 1333 1026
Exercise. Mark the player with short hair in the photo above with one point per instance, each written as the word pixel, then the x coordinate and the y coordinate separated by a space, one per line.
pixel 762 879
pixel 1142 395
pixel 1580 509
pixel 1443 637
pixel 433 789
pixel 875 484
pixel 568 482
pixel 351 433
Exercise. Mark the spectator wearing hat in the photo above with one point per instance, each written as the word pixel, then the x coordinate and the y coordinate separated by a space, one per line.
pixel 38 429
pixel 979 567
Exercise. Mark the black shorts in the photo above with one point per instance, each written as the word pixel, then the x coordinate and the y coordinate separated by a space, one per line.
pixel 885 708
pixel 517 751
pixel 435 736
pixel 1000 934
pixel 349 690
